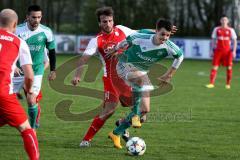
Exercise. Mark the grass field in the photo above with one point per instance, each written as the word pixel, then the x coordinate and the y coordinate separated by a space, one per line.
pixel 189 123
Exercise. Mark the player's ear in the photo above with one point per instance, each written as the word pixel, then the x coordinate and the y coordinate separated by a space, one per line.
pixel 14 26
pixel 27 17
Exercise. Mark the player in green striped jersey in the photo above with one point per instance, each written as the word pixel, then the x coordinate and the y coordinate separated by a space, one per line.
pixel 38 37
pixel 141 52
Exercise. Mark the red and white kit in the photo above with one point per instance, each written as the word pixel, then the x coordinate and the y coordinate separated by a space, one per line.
pixel 222 51
pixel 115 88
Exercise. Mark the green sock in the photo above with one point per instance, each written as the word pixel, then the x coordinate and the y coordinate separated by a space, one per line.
pixel 137 97
pixel 124 125
pixel 32 113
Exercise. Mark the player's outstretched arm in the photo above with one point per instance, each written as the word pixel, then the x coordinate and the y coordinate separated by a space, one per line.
pixel 166 78
pixel 80 68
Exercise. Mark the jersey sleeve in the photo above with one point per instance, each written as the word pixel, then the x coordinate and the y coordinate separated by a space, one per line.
pixel 147 31
pixel 24 54
pixel 50 40
pixel 91 47
pixel 173 49
pixel 214 33
pixel 233 34
pixel 127 31
pixel 46 58
pixel 131 38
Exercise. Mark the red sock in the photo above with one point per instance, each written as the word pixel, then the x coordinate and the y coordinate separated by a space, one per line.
pixel 30 144
pixel 38 98
pixel 94 128
pixel 213 76
pixel 229 76
pixel 38 115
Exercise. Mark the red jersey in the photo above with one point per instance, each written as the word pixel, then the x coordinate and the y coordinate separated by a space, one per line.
pixel 223 37
pixel 12 48
pixel 103 42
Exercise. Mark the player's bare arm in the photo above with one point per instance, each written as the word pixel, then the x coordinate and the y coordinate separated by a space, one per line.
pixel 234 47
pixel 80 68
pixel 166 78
pixel 168 75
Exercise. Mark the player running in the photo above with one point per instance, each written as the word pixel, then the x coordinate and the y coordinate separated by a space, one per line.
pixel 38 37
pixel 106 39
pixel 142 51
pixel 12 113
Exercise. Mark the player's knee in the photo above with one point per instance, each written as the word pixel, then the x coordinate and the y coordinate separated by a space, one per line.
pixel 215 67
pixel 107 113
pixel 31 101
pixel 145 110
pixel 24 126
pixel 110 112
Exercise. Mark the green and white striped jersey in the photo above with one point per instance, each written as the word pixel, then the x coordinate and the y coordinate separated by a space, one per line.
pixel 142 53
pixel 37 41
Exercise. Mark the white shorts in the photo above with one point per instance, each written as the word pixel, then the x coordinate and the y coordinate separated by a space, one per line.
pixel 126 70
pixel 18 83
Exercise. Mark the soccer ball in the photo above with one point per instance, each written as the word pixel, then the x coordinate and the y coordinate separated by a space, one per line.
pixel 136 146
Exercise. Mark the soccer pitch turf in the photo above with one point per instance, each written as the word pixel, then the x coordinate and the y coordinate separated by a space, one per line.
pixel 190 122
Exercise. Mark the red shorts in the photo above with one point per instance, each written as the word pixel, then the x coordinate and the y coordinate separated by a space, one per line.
pixel 115 90
pixel 11 111
pixel 222 57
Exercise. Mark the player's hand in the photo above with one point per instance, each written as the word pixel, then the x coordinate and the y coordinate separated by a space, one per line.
pixel 110 53
pixel 52 75
pixel 174 30
pixel 164 79
pixel 234 54
pixel 75 81
pixel 18 72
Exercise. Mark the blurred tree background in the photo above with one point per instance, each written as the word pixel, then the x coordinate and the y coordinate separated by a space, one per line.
pixel 193 17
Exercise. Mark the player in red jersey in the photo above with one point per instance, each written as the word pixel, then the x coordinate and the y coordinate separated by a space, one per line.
pixel 223 54
pixel 12 113
pixel 115 89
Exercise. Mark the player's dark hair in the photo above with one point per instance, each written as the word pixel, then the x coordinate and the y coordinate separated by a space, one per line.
pixel 107 11
pixel 163 23
pixel 223 15
pixel 34 8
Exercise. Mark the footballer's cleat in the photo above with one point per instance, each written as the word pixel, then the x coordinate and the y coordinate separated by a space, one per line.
pixel 115 139
pixel 136 122
pixel 227 86
pixel 210 85
pixel 85 144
